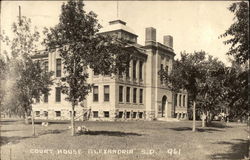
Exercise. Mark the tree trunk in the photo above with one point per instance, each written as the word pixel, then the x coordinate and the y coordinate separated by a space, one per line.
pixel 33 125
pixel 73 121
pixel 194 117
pixel 204 117
pixel 227 115
pixel 248 136
pixel 26 120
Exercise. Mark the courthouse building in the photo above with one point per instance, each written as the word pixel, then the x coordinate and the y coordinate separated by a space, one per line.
pixel 140 93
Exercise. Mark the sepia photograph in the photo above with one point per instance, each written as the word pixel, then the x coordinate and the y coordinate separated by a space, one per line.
pixel 124 80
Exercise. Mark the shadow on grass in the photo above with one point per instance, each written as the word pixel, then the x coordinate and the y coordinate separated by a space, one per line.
pixel 237 150
pixel 16 139
pixel 209 130
pixel 8 130
pixel 10 122
pixel 51 131
pixel 218 125
pixel 12 140
pixel 111 133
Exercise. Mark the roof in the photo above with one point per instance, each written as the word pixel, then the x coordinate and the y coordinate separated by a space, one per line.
pixel 117 25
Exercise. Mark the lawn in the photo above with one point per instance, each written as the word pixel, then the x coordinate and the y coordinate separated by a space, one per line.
pixel 129 140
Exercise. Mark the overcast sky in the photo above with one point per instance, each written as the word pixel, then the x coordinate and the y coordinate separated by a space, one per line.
pixel 194 25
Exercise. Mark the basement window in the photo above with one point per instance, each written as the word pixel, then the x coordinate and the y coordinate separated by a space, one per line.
pixel 106 114
pixel 120 114
pixel 128 114
pixel 95 114
pixel 58 113
pixel 37 113
pixel 140 114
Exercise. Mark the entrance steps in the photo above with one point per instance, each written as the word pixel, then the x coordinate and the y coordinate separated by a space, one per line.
pixel 168 119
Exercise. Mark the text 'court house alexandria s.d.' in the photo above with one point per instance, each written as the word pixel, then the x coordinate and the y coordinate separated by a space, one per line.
pixel 138 94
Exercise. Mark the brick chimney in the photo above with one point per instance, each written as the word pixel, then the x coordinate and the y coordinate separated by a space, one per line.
pixel 150 34
pixel 168 41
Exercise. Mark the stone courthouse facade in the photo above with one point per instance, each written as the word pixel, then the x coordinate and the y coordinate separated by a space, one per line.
pixel 139 93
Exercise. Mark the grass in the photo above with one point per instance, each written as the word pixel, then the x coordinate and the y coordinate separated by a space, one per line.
pixel 129 140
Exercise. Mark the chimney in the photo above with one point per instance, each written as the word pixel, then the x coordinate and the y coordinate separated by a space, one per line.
pixel 150 34
pixel 168 41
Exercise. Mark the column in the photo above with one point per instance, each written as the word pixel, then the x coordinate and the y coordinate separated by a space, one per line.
pixel 186 101
pixel 131 69
pixel 178 115
pixel 170 64
pixel 143 70
pixel 125 114
pixel 177 99
pixel 137 70
pixel 180 99
pixel 185 116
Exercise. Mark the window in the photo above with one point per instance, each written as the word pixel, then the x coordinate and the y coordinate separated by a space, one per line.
pixel 128 115
pixel 58 94
pixel 58 67
pixel 120 114
pixel 37 113
pixel 140 114
pixel 45 113
pixel 127 70
pixel 70 113
pixel 140 70
pixel 166 68
pixel 106 114
pixel 46 98
pixel 46 66
pixel 134 95
pixel 180 100
pixel 106 93
pixel 128 94
pixel 161 76
pixel 95 114
pixel 175 100
pixel 134 69
pixel 134 114
pixel 58 113
pixel 141 95
pixel 95 94
pixel 184 100
pixel 161 66
pixel 120 93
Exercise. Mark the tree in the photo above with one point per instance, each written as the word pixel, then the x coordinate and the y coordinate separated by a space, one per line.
pixel 3 73
pixel 236 91
pixel 239 32
pixel 32 82
pixel 187 74
pixel 75 38
pixel 210 95
pixel 29 79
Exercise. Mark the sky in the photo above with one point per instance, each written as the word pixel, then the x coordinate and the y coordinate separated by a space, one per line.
pixel 194 25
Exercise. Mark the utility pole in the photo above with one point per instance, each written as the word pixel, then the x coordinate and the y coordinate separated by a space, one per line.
pixel 117 9
pixel 0 14
pixel 32 113
pixel 20 17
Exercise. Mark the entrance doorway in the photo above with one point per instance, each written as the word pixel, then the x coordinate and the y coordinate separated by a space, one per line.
pixel 162 107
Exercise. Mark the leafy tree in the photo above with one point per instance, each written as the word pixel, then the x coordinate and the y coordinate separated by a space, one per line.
pixel 236 91
pixel 210 95
pixel 239 32
pixel 29 79
pixel 3 72
pixel 75 38
pixel 187 74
